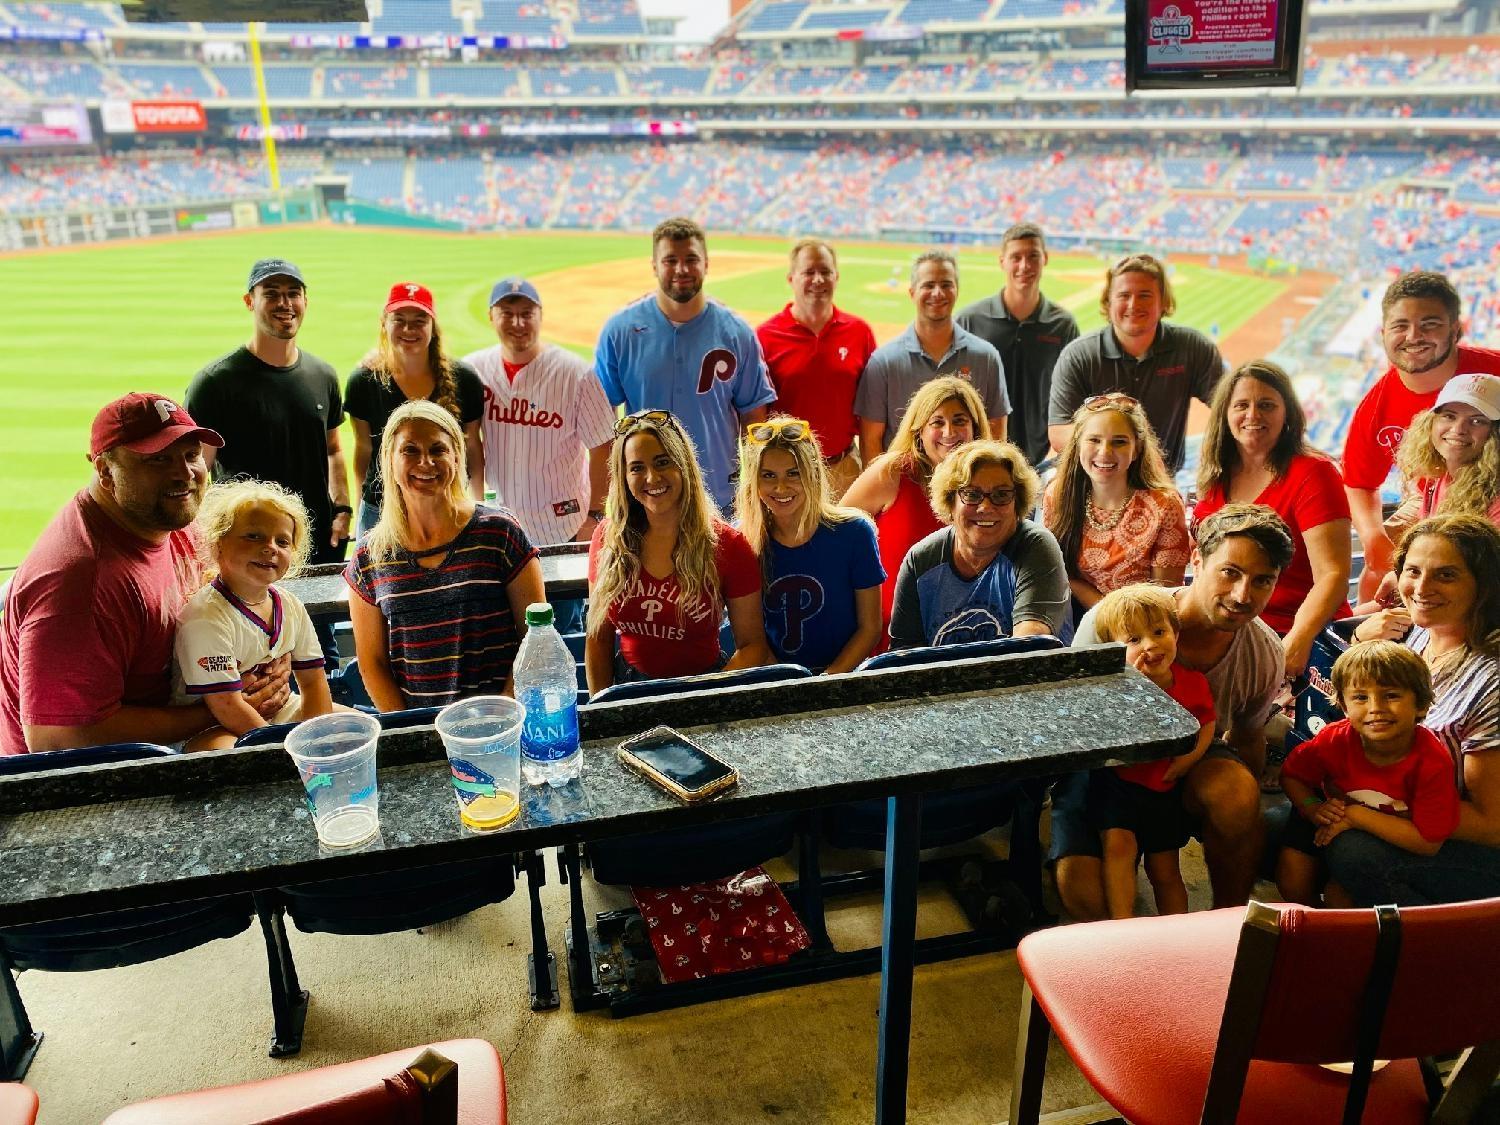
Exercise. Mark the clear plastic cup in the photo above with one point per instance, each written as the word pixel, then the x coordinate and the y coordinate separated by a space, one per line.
pixel 335 755
pixel 482 737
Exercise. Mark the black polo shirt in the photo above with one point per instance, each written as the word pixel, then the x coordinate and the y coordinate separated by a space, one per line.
pixel 1182 364
pixel 1028 350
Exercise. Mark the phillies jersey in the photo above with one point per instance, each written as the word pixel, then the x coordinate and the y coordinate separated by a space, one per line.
pixel 707 372
pixel 538 430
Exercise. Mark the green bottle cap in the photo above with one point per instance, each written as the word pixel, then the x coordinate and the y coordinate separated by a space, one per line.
pixel 538 613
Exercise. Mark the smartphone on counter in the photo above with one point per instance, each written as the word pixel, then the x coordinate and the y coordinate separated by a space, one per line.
pixel 677 764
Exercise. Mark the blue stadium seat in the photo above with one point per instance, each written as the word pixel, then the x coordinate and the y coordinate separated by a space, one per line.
pixel 126 937
pixel 647 689
pixel 941 654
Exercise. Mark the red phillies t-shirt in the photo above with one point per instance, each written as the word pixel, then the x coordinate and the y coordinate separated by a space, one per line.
pixel 816 374
pixel 89 622
pixel 1190 689
pixel 1420 787
pixel 1310 494
pixel 655 638
pixel 898 529
pixel 1381 418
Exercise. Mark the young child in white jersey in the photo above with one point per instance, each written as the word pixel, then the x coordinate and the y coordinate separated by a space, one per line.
pixel 254 535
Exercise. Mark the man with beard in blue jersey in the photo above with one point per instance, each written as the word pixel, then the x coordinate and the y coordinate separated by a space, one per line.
pixel 677 350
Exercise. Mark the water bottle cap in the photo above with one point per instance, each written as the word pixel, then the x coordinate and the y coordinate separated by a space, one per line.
pixel 537 614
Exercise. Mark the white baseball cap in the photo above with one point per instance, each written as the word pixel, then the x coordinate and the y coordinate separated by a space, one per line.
pixel 1482 392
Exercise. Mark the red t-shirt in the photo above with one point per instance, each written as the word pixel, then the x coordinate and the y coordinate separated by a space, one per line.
pixel 816 374
pixel 1432 491
pixel 658 641
pixel 89 622
pixel 1420 787
pixel 899 528
pixel 1381 418
pixel 1310 494
pixel 1190 689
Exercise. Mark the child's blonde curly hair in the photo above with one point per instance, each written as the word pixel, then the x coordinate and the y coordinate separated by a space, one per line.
pixel 222 504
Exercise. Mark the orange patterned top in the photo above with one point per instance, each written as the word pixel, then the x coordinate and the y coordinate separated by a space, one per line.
pixel 1152 532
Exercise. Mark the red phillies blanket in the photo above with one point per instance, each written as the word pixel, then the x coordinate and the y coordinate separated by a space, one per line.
pixel 722 927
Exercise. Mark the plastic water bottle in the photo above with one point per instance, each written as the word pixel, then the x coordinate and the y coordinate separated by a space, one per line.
pixel 547 686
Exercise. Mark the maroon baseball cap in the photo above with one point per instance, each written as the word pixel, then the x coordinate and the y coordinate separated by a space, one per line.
pixel 145 423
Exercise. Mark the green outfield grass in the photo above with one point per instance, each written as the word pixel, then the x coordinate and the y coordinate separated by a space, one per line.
pixel 86 325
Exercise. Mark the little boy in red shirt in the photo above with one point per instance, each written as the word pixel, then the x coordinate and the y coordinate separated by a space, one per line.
pixel 1377 771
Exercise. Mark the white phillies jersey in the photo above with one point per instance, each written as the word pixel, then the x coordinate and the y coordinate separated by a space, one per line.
pixel 538 430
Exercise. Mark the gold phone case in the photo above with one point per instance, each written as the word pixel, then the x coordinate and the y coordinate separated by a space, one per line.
pixel 661 780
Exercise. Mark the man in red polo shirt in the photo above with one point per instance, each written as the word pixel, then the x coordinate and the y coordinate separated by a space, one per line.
pixel 816 355
pixel 1420 327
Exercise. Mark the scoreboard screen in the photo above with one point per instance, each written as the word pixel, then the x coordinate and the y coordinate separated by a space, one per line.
pixel 44 126
pixel 1197 44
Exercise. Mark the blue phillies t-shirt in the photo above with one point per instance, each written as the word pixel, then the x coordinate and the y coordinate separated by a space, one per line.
pixel 706 372
pixel 1027 581
pixel 808 597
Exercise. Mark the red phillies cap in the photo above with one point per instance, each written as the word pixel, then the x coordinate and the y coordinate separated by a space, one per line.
pixel 410 295
pixel 145 423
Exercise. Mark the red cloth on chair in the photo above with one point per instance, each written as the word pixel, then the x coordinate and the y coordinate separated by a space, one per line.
pixel 697 931
pixel 1138 1002
pixel 351 1092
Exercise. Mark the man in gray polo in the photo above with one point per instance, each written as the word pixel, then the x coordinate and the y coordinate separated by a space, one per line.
pixel 933 345
pixel 1028 331
pixel 1162 366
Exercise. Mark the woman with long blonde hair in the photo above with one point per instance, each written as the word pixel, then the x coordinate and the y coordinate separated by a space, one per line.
pixel 664 568
pixel 1451 453
pixel 944 415
pixel 820 561
pixel 407 364
pixel 1112 506
pixel 440 584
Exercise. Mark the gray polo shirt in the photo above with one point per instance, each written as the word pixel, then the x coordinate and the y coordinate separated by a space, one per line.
pixel 1028 351
pixel 1182 364
pixel 897 369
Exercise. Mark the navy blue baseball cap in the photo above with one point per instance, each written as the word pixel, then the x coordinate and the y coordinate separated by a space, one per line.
pixel 268 268
pixel 515 287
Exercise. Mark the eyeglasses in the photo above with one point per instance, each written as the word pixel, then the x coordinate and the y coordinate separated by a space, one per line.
pixel 973 497
pixel 792 429
pixel 651 417
pixel 1113 398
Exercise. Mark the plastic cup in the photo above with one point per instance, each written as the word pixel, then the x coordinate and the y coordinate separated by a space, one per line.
pixel 335 755
pixel 482 737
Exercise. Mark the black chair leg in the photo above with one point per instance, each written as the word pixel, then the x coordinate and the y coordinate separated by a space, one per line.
pixel 541 964
pixel 1031 1061
pixel 581 967
pixel 1025 861
pixel 288 999
pixel 18 1039
pixel 812 905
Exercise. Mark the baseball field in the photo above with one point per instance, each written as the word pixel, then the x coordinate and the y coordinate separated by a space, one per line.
pixel 86 324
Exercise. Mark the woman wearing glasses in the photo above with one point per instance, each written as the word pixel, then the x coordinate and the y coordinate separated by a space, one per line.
pixel 990 573
pixel 820 561
pixel 664 568
pixel 944 415
pixel 1113 508
pixel 1255 450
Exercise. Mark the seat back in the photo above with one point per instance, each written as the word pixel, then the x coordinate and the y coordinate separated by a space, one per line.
pixel 83 756
pixel 1319 986
pixel 938 654
pixel 413 719
pixel 1315 702
pixel 712 681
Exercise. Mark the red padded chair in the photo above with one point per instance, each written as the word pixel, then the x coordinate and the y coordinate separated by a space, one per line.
pixel 17 1104
pixel 375 1091
pixel 1223 1016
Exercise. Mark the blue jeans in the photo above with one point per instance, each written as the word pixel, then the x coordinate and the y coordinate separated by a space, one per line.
pixel 369 516
pixel 1375 872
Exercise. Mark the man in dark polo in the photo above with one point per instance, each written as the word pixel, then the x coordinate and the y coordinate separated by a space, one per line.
pixel 1162 366
pixel 1028 331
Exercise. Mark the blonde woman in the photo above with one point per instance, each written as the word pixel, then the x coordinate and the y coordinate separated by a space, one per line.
pixel 1112 506
pixel 408 363
pixel 990 572
pixel 820 561
pixel 1451 453
pixel 944 415
pixel 664 568
pixel 440 584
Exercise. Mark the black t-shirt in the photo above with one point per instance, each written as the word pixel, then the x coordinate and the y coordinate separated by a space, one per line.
pixel 373 403
pixel 1029 349
pixel 275 423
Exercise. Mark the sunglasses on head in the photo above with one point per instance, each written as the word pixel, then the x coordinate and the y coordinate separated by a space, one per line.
pixel 651 417
pixel 1113 398
pixel 791 429
pixel 973 497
